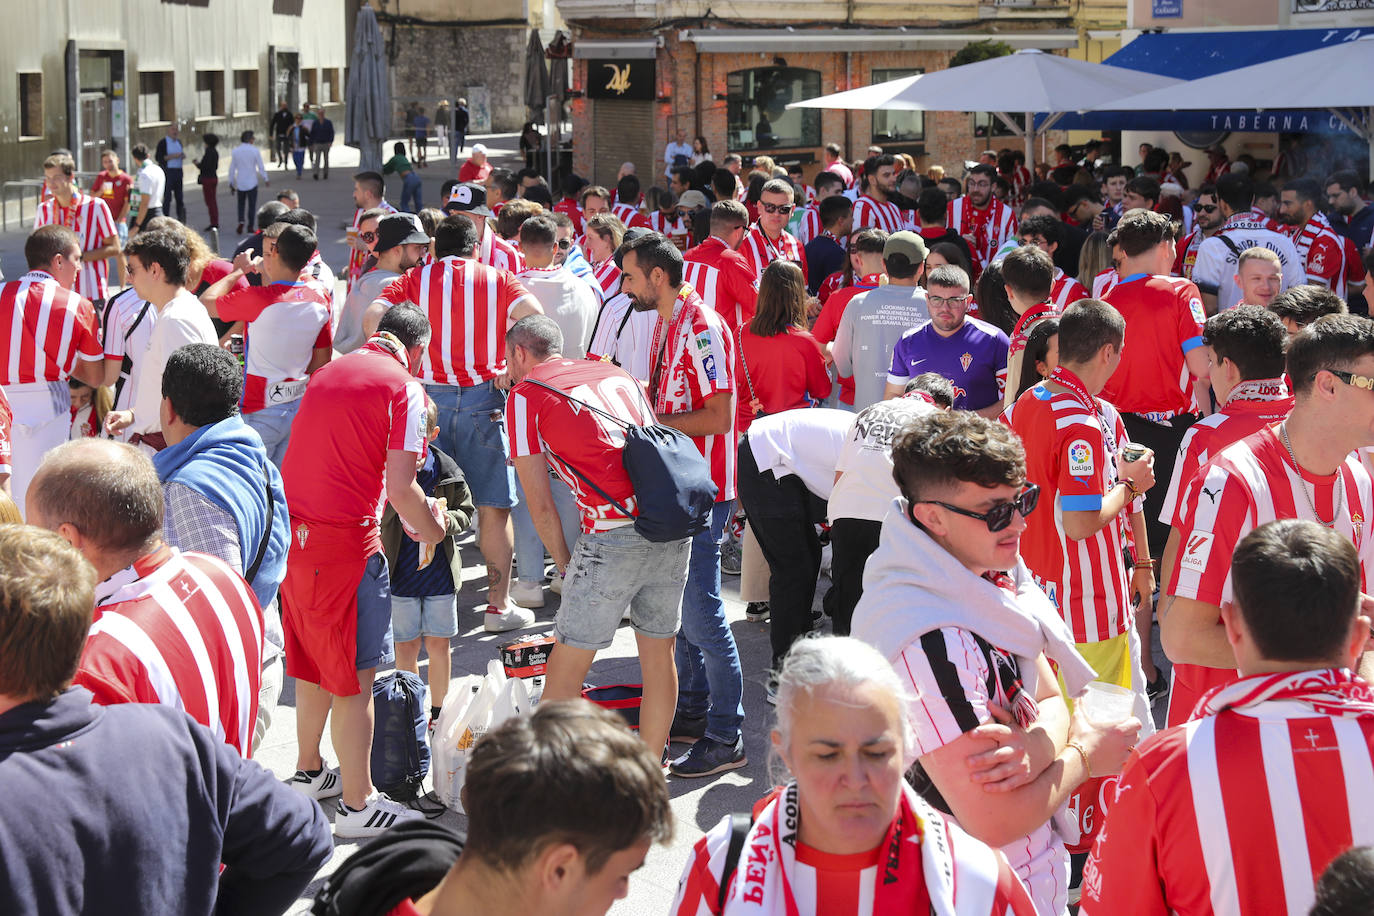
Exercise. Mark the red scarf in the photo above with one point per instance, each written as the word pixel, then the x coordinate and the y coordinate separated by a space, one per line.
pixel 1328 691
pixel 1021 332
pixel 667 362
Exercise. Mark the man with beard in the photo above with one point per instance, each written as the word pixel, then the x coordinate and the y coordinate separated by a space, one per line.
pixel 984 223
pixel 875 207
pixel 1329 259
pixel 693 391
pixel 1207 219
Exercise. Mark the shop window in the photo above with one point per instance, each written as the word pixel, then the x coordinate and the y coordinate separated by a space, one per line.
pixel 156 97
pixel 30 105
pixel 987 124
pixel 329 85
pixel 210 93
pixel 245 91
pixel 758 116
pixel 897 126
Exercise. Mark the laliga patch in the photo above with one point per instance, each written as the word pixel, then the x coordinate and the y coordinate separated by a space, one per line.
pixel 1195 306
pixel 1196 551
pixel 1081 458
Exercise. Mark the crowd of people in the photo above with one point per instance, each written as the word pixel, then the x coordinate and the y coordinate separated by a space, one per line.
pixel 1017 420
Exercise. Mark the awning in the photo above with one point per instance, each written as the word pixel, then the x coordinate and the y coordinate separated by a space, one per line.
pixel 628 49
pixel 732 41
pixel 1190 55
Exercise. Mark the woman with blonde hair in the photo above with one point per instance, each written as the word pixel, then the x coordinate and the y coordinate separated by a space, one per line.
pixel 778 364
pixel 603 235
pixel 1094 260
pixel 846 835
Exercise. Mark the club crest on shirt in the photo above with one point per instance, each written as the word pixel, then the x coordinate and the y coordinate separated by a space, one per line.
pixel 1196 551
pixel 1081 462
pixel 966 360
pixel 1195 306
pixel 1316 262
pixel 302 533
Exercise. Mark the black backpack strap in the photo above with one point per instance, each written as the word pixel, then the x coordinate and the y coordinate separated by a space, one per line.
pixel 739 829
pixel 127 363
pixel 583 477
pixel 1235 249
pixel 267 534
pixel 592 407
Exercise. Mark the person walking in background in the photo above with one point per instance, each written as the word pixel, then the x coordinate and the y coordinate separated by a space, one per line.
pixel 441 118
pixel 410 182
pixel 149 183
pixel 171 158
pixel 298 136
pixel 208 164
pixel 321 139
pixel 278 125
pixel 461 119
pixel 420 124
pixel 245 168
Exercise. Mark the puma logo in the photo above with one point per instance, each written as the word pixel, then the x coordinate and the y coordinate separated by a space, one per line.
pixel 1212 495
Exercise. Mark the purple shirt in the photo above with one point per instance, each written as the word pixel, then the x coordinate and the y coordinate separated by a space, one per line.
pixel 974 359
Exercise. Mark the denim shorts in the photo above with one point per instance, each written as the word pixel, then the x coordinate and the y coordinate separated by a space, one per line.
pixel 432 615
pixel 612 570
pixel 374 615
pixel 472 431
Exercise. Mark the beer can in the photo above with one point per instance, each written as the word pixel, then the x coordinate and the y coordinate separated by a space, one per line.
pixel 1133 451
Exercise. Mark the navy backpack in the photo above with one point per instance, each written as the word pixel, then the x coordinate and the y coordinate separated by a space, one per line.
pixel 400 749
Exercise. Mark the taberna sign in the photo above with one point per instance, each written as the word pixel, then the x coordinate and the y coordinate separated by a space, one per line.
pixel 621 79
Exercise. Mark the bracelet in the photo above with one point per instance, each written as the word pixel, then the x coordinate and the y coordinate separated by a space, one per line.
pixel 1147 563
pixel 1131 487
pixel 1084 755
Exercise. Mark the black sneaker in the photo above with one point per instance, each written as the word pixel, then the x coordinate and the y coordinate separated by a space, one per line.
pixel 686 729
pixel 756 612
pixel 1157 688
pixel 771 689
pixel 708 757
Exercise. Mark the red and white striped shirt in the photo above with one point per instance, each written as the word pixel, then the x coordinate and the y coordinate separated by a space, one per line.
pixel 990 227
pixel 810 224
pixel 759 251
pixel 89 217
pixel 1234 813
pixel 497 252
pixel 469 306
pixel 870 213
pixel 1330 259
pixel 1187 254
pixel 734 292
pixel 569 207
pixel 1065 290
pixel 356 258
pixel 675 227
pixel 6 424
pixel 1071 453
pixel 127 328
pixel 182 630
pixel 44 329
pixel 630 215
pixel 286 323
pixel 1105 282
pixel 607 277
pixel 572 437
pixel 698 363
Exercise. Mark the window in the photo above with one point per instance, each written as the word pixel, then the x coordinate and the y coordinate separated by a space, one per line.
pixel 987 124
pixel 210 94
pixel 30 105
pixel 758 116
pixel 246 96
pixel 329 85
pixel 310 82
pixel 156 101
pixel 897 126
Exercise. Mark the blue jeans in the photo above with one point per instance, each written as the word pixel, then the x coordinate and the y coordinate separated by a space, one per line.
pixel 298 159
pixel 529 548
pixel 410 193
pixel 710 682
pixel 472 431
pixel 273 424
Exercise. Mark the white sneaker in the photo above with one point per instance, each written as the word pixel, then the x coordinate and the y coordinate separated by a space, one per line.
pixel 324 784
pixel 556 583
pixel 377 816
pixel 513 618
pixel 527 594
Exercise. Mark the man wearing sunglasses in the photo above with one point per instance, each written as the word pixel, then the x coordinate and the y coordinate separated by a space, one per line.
pixel 1207 219
pixel 1303 467
pixel 949 602
pixel 1091 492
pixel 769 239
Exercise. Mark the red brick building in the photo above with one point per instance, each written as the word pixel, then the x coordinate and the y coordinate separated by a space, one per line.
pixel 634 89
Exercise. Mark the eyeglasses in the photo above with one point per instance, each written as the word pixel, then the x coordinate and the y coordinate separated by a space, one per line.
pixel 1353 380
pixel 1206 208
pixel 565 244
pixel 980 184
pixel 784 209
pixel 942 301
pixel 368 236
pixel 999 516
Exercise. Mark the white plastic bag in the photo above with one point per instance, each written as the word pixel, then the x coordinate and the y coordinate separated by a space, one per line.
pixel 474 706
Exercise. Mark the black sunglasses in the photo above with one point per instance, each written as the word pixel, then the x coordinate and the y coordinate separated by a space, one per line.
pixel 1205 208
pixel 784 209
pixel 999 516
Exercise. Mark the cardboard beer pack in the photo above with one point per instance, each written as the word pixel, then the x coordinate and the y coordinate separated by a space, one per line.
pixel 527 656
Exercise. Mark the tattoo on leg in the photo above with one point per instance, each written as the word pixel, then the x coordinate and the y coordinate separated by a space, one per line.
pixel 494 576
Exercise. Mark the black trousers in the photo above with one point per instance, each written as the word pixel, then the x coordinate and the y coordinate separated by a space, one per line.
pixel 852 542
pixel 783 514
pixel 173 189
pixel 1165 441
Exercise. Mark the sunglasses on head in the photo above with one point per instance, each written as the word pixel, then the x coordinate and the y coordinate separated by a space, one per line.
pixel 784 209
pixel 996 518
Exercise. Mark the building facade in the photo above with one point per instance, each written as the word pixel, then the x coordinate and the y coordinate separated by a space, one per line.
pixel 645 69
pixel 87 74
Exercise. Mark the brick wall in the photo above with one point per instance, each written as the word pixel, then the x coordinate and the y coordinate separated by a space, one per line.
pixel 691 83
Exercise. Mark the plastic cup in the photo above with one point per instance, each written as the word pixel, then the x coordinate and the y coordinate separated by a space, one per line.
pixel 1106 704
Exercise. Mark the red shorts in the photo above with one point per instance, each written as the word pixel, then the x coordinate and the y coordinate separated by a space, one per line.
pixel 320 606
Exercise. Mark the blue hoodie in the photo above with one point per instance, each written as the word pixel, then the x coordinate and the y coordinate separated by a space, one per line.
pixel 225 462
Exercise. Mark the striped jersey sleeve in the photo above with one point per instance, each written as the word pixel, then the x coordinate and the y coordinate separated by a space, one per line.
pixel 947 674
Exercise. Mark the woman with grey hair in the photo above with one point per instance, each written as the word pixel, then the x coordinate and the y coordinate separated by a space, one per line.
pixel 846 814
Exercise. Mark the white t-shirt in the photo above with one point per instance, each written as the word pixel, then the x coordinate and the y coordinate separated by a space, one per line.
pixel 1215 269
pixel 865 490
pixel 181 321
pixel 151 182
pixel 804 441
pixel 569 301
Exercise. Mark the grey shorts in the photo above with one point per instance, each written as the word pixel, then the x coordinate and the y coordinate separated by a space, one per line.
pixel 616 569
